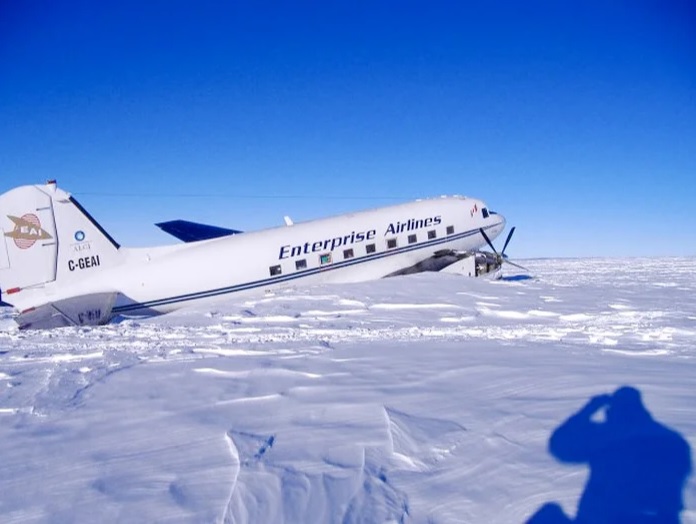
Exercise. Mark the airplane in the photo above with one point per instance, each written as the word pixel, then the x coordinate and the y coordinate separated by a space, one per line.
pixel 59 267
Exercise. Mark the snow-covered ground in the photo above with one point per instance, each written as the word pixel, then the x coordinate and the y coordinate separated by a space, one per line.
pixel 426 398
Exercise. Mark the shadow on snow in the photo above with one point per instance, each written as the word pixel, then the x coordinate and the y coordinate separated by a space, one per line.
pixel 516 278
pixel 638 466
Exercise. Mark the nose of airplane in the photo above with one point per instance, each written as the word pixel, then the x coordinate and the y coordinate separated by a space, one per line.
pixel 500 226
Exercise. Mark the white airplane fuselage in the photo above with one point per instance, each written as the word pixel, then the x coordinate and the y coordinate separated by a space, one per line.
pixel 353 247
pixel 159 279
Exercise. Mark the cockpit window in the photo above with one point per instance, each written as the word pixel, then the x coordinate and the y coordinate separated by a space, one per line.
pixel 485 212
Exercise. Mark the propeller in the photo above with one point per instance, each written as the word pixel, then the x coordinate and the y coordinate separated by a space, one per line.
pixel 502 257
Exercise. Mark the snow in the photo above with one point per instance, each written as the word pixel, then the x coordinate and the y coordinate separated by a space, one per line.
pixel 424 398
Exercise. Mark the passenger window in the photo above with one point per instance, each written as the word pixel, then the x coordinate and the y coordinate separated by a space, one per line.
pixel 275 270
pixel 450 230
pixel 432 234
pixel 370 248
pixel 325 259
pixel 485 212
pixel 348 253
pixel 391 243
pixel 412 239
pixel 301 264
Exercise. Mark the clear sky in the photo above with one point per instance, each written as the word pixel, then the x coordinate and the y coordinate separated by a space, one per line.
pixel 574 119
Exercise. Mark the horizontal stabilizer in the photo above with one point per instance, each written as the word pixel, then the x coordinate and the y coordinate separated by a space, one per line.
pixel 193 231
pixel 85 310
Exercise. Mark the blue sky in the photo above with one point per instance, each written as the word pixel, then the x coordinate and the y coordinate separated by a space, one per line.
pixel 576 120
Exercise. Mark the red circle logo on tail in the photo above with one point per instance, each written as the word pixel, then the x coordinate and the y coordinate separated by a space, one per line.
pixel 27 230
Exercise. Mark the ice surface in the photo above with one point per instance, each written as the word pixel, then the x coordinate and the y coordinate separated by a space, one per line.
pixel 424 398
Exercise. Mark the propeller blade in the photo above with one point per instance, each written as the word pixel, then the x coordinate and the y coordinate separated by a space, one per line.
pixel 516 265
pixel 485 236
pixel 507 241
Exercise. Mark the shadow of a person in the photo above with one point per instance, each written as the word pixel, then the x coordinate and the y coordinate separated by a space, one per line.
pixel 638 466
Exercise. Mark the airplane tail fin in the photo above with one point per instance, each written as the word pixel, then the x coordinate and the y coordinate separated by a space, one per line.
pixel 47 239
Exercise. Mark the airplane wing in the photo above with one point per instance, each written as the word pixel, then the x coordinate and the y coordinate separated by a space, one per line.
pixel 437 262
pixel 193 231
pixel 471 263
